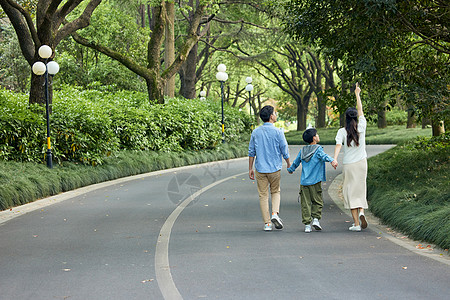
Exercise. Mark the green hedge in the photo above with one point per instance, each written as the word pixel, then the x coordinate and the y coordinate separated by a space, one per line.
pixel 409 189
pixel 22 128
pixel 87 126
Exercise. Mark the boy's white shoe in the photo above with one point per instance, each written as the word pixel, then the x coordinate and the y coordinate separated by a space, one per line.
pixel 277 221
pixel 268 227
pixel 308 228
pixel 316 224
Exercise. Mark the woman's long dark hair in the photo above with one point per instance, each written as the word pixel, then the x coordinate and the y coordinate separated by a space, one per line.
pixel 351 126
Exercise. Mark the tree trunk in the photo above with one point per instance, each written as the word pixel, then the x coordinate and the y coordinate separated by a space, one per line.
pixel 341 119
pixel 437 127
pixel 188 78
pixel 169 47
pixel 302 110
pixel 321 112
pixel 37 89
pixel 142 15
pixel 236 96
pixel 155 90
pixel 411 122
pixel 425 122
pixel 301 116
pixel 381 122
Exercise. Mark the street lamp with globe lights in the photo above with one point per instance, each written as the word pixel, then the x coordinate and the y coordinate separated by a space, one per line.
pixel 221 76
pixel 40 68
pixel 249 89
pixel 202 95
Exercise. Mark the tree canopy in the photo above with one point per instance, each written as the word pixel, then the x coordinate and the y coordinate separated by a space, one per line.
pixel 402 44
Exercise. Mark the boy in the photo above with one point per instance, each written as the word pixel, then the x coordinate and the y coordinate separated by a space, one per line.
pixel 313 159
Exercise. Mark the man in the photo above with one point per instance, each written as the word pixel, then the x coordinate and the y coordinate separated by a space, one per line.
pixel 268 145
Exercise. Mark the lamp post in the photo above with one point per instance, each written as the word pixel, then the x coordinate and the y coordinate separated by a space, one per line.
pixel 202 95
pixel 222 77
pixel 249 89
pixel 40 68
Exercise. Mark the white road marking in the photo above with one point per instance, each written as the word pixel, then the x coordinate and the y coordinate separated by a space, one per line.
pixel 162 266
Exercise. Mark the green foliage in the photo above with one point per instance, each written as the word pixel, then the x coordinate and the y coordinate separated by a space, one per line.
pixel 81 127
pixel 114 25
pixel 87 126
pixel 394 116
pixel 22 128
pixel 424 80
pixel 441 142
pixel 376 40
pixel 414 200
pixel 374 136
pixel 14 69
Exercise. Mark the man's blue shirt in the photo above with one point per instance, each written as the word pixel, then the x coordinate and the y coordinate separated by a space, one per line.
pixel 313 171
pixel 269 145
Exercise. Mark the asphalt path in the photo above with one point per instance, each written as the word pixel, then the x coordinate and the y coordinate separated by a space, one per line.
pixel 195 233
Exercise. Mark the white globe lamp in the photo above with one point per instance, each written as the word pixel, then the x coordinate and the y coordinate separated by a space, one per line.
pixel 52 67
pixel 39 68
pixel 45 51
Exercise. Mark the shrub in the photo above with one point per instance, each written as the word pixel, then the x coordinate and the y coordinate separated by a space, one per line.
pixel 22 128
pixel 396 116
pixel 87 126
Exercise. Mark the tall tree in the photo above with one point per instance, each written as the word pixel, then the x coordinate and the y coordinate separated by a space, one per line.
pixel 155 76
pixel 375 38
pixel 49 29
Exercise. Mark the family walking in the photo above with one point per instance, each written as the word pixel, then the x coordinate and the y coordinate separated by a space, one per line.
pixel 268 146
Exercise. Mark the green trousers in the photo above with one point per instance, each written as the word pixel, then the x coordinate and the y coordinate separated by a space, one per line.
pixel 311 202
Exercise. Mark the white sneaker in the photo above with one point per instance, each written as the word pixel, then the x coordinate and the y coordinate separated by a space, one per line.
pixel 363 220
pixel 355 228
pixel 277 221
pixel 308 228
pixel 316 224
pixel 268 227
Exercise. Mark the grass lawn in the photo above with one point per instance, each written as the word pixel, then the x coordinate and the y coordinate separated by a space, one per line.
pixel 409 189
pixel 390 135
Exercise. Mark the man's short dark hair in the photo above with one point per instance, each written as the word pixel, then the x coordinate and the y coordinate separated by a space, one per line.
pixel 266 112
pixel 309 134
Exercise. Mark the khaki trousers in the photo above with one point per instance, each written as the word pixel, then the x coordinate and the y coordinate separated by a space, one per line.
pixel 264 182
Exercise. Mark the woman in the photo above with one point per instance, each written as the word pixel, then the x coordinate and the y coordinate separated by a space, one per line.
pixel 353 137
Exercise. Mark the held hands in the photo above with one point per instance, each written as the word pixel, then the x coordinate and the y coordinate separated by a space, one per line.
pixel 334 163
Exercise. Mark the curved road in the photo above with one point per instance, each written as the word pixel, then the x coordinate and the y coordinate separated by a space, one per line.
pixel 195 233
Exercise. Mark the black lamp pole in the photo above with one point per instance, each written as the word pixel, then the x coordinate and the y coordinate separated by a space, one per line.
pixel 250 104
pixel 49 145
pixel 40 68
pixel 223 124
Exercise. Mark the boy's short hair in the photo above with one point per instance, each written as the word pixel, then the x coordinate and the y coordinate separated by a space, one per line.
pixel 309 134
pixel 266 112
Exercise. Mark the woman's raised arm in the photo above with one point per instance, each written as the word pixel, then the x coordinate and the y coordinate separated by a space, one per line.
pixel 358 100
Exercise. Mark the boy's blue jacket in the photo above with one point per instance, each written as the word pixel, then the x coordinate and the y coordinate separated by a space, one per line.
pixel 313 159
